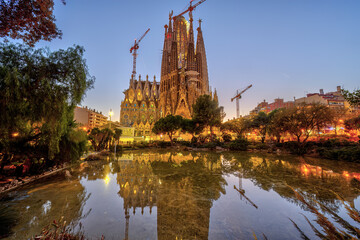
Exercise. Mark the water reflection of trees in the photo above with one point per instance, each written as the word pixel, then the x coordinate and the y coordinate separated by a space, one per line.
pixel 271 172
pixel 45 203
pixel 182 185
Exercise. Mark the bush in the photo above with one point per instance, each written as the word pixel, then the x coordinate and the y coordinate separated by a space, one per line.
pixel 163 144
pixel 348 153
pixel 184 143
pixel 226 137
pixel 261 146
pixel 333 143
pixel 296 147
pixel 240 144
pixel 210 145
pixel 72 146
pixel 194 140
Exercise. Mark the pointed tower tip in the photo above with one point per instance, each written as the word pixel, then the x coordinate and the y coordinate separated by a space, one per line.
pixel 216 96
pixel 200 21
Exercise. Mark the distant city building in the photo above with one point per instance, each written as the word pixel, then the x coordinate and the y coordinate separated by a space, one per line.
pixel 279 103
pixel 89 118
pixel 261 107
pixel 330 99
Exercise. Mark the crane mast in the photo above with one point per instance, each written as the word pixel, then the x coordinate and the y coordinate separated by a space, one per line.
pixel 134 49
pixel 237 97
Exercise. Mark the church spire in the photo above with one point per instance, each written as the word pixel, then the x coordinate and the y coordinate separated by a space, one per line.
pixel 170 24
pixel 201 59
pixel 165 58
pixel 216 96
pixel 191 30
pixel 191 50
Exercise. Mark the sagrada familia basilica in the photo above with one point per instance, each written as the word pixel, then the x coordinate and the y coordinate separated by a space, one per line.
pixel 184 77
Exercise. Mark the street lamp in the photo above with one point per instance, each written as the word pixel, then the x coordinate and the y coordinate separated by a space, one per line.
pixel 110 114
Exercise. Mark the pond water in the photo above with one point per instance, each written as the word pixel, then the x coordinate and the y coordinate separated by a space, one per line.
pixel 186 195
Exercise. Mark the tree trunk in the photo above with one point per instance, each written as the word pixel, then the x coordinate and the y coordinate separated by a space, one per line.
pixel 170 136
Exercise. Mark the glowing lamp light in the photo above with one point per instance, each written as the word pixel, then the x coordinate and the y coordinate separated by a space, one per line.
pixel 107 179
pixel 346 174
pixel 15 134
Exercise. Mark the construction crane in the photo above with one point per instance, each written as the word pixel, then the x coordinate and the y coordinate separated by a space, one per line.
pixel 190 8
pixel 134 49
pixel 237 97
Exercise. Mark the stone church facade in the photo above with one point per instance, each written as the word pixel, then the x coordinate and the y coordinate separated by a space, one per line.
pixel 184 77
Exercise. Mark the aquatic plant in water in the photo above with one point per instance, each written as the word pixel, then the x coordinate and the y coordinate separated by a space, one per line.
pixel 8 219
pixel 328 229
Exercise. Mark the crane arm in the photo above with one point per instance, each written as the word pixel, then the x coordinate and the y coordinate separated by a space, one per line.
pixel 136 45
pixel 190 9
pixel 141 38
pixel 239 94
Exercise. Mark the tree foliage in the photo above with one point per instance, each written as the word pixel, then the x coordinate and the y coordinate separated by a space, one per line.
pixel 117 135
pixel 302 121
pixel 207 112
pixel 38 92
pixel 277 126
pixel 261 122
pixel 191 127
pixel 352 123
pixel 101 138
pixel 352 97
pixel 238 126
pixel 168 125
pixel 28 20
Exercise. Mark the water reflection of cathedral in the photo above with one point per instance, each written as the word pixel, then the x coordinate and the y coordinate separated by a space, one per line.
pixel 183 208
pixel 182 185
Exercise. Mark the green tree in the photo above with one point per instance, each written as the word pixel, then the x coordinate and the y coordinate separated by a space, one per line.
pixel 73 144
pixel 303 120
pixel 168 125
pixel 352 123
pixel 261 122
pixel 277 123
pixel 352 97
pixel 117 135
pixel 337 114
pixel 238 126
pixel 101 138
pixel 28 20
pixel 207 112
pixel 39 90
pixel 191 127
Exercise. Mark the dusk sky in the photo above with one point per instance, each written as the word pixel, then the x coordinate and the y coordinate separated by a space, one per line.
pixel 285 48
